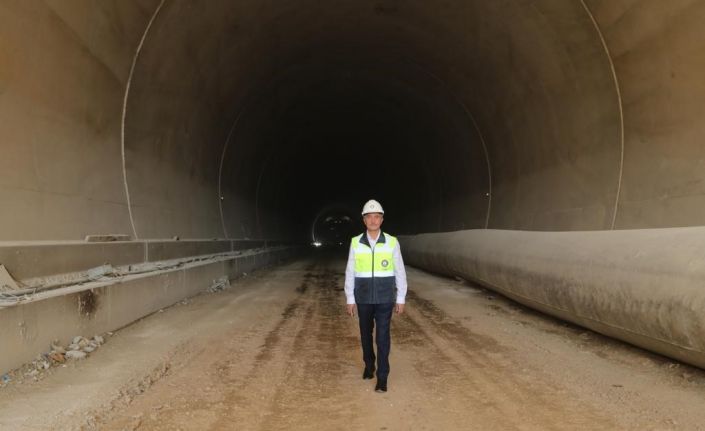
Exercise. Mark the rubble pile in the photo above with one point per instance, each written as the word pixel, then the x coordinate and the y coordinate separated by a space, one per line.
pixel 220 284
pixel 58 355
pixel 79 348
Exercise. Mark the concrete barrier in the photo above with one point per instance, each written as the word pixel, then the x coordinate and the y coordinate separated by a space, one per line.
pixel 33 259
pixel 645 287
pixel 28 328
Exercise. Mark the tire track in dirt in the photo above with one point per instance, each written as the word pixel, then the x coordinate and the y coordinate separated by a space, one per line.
pixel 193 395
pixel 220 376
pixel 478 371
pixel 246 398
pixel 278 352
pixel 311 384
pixel 299 369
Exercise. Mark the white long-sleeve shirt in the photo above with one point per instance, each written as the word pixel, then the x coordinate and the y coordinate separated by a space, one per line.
pixel 399 273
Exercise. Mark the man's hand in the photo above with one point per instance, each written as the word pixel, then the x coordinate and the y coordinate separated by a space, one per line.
pixel 351 309
pixel 399 308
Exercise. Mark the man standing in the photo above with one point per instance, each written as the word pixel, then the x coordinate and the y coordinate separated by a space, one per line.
pixel 375 284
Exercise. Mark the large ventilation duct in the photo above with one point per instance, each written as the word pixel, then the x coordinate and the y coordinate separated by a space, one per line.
pixel 640 286
pixel 242 120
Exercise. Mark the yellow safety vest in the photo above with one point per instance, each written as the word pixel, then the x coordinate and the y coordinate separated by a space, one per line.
pixel 374 269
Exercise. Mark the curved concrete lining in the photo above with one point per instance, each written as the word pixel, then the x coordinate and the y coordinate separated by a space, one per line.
pixel 577 115
pixel 640 286
pixel 463 105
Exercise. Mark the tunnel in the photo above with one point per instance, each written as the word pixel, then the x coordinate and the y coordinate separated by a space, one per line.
pixel 512 143
pixel 237 120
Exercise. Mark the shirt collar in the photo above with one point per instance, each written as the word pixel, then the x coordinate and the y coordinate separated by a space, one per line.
pixel 380 239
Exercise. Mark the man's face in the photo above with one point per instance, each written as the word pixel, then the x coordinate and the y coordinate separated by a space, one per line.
pixel 373 221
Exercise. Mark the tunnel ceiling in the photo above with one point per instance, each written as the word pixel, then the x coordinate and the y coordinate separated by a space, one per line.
pixel 247 119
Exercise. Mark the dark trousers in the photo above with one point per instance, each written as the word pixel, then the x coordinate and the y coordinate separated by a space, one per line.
pixel 381 315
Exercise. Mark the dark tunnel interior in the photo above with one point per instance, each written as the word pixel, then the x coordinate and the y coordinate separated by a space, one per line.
pixel 343 103
pixel 346 133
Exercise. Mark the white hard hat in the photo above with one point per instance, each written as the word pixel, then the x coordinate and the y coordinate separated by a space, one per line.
pixel 372 206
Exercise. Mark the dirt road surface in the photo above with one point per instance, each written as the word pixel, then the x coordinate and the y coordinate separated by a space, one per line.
pixel 277 352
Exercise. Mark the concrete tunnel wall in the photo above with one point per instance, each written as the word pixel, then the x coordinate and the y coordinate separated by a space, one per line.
pixel 547 115
pixel 244 119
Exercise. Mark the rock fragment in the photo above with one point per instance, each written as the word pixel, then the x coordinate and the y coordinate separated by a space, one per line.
pixel 37 369
pixel 75 354
pixel 220 284
pixel 57 357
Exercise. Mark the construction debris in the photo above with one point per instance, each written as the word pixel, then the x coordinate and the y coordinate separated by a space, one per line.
pixel 220 284
pixel 75 354
pixel 99 272
pixel 58 355
pixel 28 288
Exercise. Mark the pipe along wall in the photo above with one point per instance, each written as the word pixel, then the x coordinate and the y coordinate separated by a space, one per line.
pixel 641 286
pixel 235 120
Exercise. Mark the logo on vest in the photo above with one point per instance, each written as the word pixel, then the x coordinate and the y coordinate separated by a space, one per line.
pixel 385 263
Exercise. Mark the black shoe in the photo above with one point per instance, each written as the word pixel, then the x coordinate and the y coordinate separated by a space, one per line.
pixel 381 385
pixel 368 374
